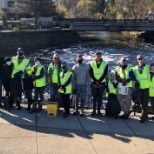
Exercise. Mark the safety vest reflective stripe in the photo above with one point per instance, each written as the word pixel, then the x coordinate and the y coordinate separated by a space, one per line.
pixel 98 72
pixel 63 81
pixel 111 88
pixel 40 82
pixel 142 78
pixel 19 67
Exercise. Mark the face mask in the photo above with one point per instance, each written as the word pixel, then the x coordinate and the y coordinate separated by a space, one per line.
pixel 37 63
pixel 8 63
pixel 80 61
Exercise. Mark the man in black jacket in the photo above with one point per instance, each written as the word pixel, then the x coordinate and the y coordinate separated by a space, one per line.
pixel 98 72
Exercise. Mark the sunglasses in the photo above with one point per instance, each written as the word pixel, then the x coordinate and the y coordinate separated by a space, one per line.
pixel 140 59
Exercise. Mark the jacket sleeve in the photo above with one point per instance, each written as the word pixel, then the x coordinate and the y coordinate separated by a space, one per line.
pixel 91 73
pixel 104 74
pixel 68 81
pixel 41 74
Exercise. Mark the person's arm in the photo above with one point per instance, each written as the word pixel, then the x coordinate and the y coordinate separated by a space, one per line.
pixel 91 73
pixel 104 74
pixel 41 74
pixel 68 81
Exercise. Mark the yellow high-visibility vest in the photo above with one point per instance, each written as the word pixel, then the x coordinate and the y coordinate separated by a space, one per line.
pixel 124 74
pixel 19 67
pixel 64 80
pixel 40 82
pixel 98 72
pixel 143 78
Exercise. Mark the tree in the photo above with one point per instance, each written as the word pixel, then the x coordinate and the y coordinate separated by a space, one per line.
pixel 36 8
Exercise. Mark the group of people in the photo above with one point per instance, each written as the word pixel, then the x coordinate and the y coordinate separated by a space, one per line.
pixel 18 76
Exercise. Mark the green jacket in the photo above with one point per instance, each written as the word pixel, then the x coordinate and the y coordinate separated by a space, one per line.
pixel 50 71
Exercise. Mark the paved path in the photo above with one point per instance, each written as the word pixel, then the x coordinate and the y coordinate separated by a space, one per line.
pixel 24 133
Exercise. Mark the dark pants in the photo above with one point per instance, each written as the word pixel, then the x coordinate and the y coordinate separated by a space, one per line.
pixel 8 94
pixel 66 101
pixel 38 94
pixel 97 94
pixel 144 102
pixel 152 102
pixel 28 96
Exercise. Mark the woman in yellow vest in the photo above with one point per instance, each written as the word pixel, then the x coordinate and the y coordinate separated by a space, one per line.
pixel 65 89
pixel 112 107
pixel 39 84
pixel 151 86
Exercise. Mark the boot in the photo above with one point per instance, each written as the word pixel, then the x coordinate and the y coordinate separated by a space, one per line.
pixel 76 112
pixel 33 109
pixel 82 108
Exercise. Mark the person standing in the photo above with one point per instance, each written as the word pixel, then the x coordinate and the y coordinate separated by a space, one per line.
pixel 141 72
pixel 54 70
pixel 151 86
pixel 65 88
pixel 20 62
pixel 124 75
pixel 38 76
pixel 28 85
pixel 1 72
pixel 6 79
pixel 80 82
pixel 98 72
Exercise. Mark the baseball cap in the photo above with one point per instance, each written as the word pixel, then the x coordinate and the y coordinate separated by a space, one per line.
pixel 123 59
pixel 56 55
pixel 139 57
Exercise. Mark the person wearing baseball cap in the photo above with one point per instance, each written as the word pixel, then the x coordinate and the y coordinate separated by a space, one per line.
pixel 98 72
pixel 124 75
pixel 141 72
pixel 54 70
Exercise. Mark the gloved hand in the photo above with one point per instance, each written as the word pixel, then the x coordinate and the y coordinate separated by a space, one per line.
pixel 97 83
pixel 124 83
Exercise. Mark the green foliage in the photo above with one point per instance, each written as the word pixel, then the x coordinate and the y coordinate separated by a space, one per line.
pixel 15 30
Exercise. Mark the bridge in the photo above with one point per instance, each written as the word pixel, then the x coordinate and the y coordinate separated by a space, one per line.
pixel 111 25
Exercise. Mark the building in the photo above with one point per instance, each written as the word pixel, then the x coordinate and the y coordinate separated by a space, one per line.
pixel 6 4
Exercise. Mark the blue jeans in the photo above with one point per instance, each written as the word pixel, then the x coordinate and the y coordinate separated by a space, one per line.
pixel 54 94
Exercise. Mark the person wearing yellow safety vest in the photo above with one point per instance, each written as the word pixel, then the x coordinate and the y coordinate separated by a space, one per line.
pixel 125 75
pixel 20 63
pixel 54 70
pixel 151 86
pixel 98 72
pixel 28 85
pixel 112 107
pixel 39 84
pixel 65 89
pixel 141 72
